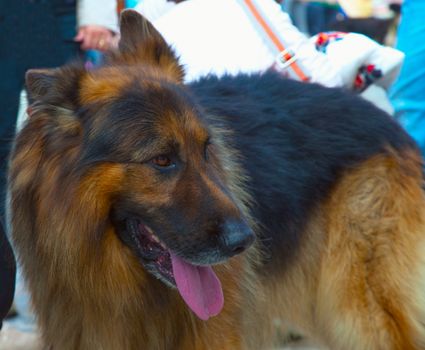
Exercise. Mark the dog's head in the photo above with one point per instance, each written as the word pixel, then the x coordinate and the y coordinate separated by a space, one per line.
pixel 173 203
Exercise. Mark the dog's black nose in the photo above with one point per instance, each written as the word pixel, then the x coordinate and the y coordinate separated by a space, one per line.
pixel 235 237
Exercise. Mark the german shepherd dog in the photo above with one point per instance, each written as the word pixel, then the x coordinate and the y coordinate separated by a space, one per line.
pixel 135 202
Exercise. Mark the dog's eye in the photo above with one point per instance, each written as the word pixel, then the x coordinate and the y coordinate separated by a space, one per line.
pixel 162 162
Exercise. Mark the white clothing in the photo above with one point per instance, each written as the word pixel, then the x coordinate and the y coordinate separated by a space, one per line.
pixel 218 36
pixel 99 12
pixel 154 9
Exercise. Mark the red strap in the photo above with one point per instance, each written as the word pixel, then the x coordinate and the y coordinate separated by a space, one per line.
pixel 275 40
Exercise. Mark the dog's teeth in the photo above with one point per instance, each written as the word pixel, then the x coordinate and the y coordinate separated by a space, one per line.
pixel 154 238
pixel 157 240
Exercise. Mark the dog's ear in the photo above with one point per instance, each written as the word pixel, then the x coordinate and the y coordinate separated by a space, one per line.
pixel 39 81
pixel 141 43
pixel 57 87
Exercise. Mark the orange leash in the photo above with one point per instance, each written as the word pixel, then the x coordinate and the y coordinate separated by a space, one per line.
pixel 286 57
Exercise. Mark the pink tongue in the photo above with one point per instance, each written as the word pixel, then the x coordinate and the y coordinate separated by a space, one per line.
pixel 199 287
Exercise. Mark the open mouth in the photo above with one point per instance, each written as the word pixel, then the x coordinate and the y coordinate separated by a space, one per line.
pixel 199 286
pixel 155 255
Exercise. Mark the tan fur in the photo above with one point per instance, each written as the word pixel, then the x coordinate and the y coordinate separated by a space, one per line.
pixel 106 83
pixel 109 300
pixel 357 280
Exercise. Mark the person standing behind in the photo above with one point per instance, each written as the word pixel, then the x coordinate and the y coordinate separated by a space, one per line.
pixel 43 34
pixel 40 34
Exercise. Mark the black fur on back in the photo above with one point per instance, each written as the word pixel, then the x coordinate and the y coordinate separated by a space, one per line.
pixel 295 140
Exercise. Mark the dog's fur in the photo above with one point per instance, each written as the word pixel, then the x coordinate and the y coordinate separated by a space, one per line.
pixel 331 186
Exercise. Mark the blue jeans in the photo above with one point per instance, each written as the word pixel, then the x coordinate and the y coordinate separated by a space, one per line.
pixel 408 93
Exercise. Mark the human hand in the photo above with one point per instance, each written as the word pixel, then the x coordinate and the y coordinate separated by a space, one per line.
pixel 95 37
